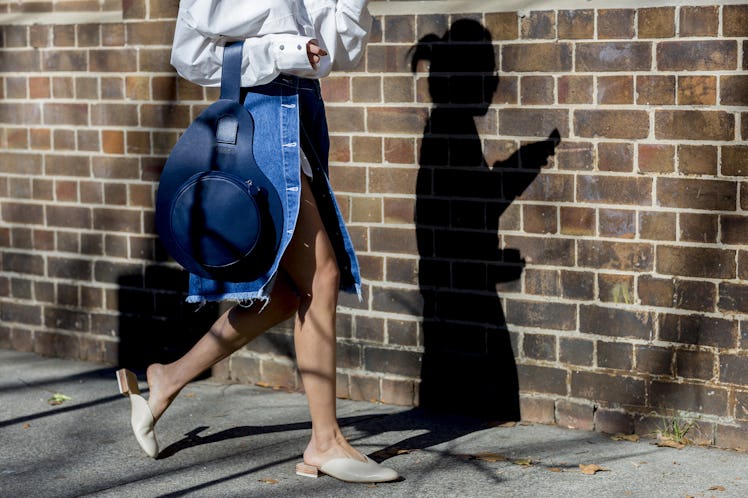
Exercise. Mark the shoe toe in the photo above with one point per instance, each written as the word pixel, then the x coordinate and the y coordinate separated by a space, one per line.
pixel 348 469
pixel 142 423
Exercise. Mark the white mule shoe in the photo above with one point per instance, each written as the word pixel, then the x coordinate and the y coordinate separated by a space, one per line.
pixel 349 470
pixel 141 417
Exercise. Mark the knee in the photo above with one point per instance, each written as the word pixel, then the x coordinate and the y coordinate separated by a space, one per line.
pixel 327 276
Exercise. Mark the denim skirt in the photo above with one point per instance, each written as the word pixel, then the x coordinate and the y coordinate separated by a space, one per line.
pixel 289 113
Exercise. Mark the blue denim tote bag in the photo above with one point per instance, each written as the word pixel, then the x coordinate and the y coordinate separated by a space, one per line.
pixel 217 214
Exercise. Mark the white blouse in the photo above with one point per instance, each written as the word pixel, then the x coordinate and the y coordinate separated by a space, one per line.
pixel 275 34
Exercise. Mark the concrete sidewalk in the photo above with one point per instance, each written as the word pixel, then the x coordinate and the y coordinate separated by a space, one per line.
pixel 236 440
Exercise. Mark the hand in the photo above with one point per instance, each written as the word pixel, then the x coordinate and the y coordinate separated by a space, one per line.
pixel 314 52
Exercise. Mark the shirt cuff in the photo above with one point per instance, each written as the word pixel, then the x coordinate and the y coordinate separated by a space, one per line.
pixel 290 53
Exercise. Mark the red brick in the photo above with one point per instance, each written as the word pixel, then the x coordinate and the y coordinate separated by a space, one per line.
pixel 392 180
pixel 399 150
pixel 395 120
pixel 658 22
pixel 549 251
pixel 657 225
pixel 702 55
pixel 398 89
pixel 540 219
pixel 656 158
pixel 615 156
pixel 615 23
pixel 613 56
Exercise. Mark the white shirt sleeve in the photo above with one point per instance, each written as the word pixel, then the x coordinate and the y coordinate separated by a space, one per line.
pixel 341 28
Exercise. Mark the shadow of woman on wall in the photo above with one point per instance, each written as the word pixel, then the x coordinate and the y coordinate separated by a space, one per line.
pixel 468 363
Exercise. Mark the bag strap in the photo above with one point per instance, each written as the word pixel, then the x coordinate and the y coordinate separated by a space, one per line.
pixel 231 72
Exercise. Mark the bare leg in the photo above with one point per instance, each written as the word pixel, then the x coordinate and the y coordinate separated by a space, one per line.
pixel 311 264
pixel 233 330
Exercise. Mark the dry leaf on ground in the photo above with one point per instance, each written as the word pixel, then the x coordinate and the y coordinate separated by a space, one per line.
pixel 268 481
pixel 717 488
pixel 524 462
pixel 591 469
pixel 26 426
pixel 669 443
pixel 555 469
pixel 490 457
pixel 634 438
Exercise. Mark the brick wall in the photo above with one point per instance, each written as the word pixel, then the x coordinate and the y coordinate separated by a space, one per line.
pixel 600 283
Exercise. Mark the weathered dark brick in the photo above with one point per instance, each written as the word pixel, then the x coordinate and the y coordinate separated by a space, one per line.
pixel 711 195
pixel 658 22
pixel 392 361
pixel 576 351
pixel 533 122
pixel 23 262
pixel 615 23
pixel 539 347
pixel 617 223
pixel 577 285
pixel 574 89
pixel 656 225
pixel 611 123
pixel 554 316
pixel 698 227
pixel 733 297
pixel 697 90
pixel 615 156
pixel 65 319
pixel 702 55
pixel 538 25
pixel 69 268
pixel 613 421
pixel 538 379
pixel 694 125
pixel 688 397
pixel 735 20
pixel 615 355
pixel 625 256
pixel 551 251
pixel 699 21
pixel 654 360
pixel 575 415
pixel 697 159
pixel 615 322
pixel 501 25
pixel 537 410
pixel 613 56
pixel 694 364
pixel 698 330
pixel 531 57
pixel 735 160
pixel 732 436
pixel 627 391
pixel 576 24
pixel 615 288
pixel 696 262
